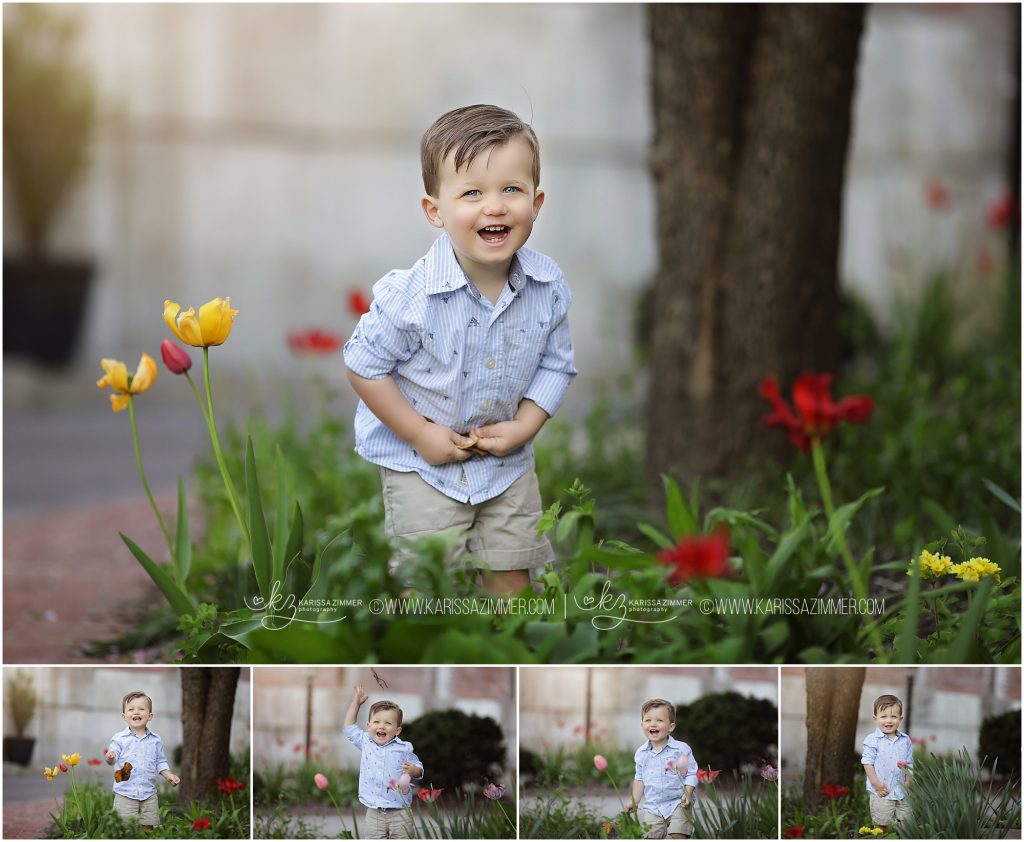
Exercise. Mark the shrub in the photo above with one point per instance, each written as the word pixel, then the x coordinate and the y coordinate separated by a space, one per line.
pixel 457 748
pixel 727 730
pixel 999 743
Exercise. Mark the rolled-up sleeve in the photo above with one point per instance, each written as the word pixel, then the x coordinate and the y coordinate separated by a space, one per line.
pixel 161 759
pixel 384 337
pixel 355 735
pixel 870 752
pixel 556 370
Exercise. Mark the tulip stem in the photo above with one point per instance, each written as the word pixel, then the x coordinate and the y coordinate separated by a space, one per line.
pixel 860 588
pixel 211 422
pixel 142 476
pixel 504 813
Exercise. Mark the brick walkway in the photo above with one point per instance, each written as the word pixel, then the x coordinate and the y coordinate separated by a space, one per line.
pixel 28 820
pixel 67 574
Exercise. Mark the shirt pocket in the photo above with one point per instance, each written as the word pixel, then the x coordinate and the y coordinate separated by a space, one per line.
pixel 524 348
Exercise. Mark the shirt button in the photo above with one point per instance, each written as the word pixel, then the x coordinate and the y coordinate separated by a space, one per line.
pixel 485 405
pixel 490 363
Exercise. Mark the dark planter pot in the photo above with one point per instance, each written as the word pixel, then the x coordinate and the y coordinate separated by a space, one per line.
pixel 19 750
pixel 43 306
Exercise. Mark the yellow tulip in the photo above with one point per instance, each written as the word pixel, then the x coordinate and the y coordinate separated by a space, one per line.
pixel 213 326
pixel 71 759
pixel 117 378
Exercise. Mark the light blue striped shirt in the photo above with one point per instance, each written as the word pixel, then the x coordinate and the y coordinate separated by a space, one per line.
pixel 663 786
pixel 884 754
pixel 462 361
pixel 146 754
pixel 378 766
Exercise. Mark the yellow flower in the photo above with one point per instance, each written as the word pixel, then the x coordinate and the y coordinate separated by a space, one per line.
pixel 864 829
pixel 71 759
pixel 51 773
pixel 211 328
pixel 117 378
pixel 877 831
pixel 975 568
pixel 932 566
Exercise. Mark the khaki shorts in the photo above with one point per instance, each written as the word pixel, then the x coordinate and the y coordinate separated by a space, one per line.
pixel 884 811
pixel 387 824
pixel 660 827
pixel 499 534
pixel 144 811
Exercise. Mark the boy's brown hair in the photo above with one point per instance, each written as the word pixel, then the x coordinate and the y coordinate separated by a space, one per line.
pixel 887 701
pixel 471 130
pixel 135 694
pixel 659 703
pixel 384 704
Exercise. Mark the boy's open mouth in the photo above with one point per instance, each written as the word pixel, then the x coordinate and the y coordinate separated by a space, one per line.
pixel 494 234
pixel 381 734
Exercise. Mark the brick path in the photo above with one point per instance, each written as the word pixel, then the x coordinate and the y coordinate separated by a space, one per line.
pixel 67 574
pixel 28 820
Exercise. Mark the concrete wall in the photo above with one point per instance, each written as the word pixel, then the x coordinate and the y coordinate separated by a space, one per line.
pixel 281 696
pixel 79 709
pixel 270 153
pixel 552 708
pixel 947 708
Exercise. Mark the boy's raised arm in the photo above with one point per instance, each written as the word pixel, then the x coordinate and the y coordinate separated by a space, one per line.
pixel 358 697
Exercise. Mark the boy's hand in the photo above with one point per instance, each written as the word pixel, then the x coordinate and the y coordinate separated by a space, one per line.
pixel 438 445
pixel 631 808
pixel 502 438
pixel 359 695
pixel 110 757
pixel 881 790
pixel 172 779
pixel 686 802
pixel 412 770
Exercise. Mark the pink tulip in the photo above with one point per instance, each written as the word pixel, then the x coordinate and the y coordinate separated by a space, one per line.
pixel 494 791
pixel 175 357
pixel 321 781
pixel 600 763
pixel 769 773
pixel 670 765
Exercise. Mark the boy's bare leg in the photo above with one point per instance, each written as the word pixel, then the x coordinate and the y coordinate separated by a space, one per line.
pixel 505 582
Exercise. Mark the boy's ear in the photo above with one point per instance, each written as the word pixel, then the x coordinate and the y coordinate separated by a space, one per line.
pixel 430 211
pixel 538 200
pixel 671 727
pixel 398 730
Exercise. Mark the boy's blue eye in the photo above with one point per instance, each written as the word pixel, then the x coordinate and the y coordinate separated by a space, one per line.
pixel 471 193
pixel 512 188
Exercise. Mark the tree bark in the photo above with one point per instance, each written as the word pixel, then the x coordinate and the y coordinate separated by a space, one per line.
pixel 833 705
pixel 752 120
pixel 207 707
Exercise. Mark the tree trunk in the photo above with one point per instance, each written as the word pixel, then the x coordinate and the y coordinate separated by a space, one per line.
pixel 207 707
pixel 752 120
pixel 833 706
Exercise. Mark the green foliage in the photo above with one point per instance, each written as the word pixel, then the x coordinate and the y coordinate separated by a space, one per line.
pixel 999 743
pixel 949 799
pixel 465 817
pixel 557 816
pixel 749 810
pixel 837 818
pixel 21 700
pixel 281 785
pixel 728 730
pixel 278 824
pixel 564 766
pixel 462 748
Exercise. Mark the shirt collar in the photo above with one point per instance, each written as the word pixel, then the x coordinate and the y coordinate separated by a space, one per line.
pixel 444 274
pixel 672 743
pixel 128 732
pixel 878 733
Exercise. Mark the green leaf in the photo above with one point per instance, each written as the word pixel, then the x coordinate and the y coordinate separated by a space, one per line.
pixel 281 519
pixel 1002 495
pixel 791 541
pixel 907 640
pixel 179 600
pixel 842 516
pixel 259 538
pixel 655 535
pixel 182 542
pixel 681 521
pixel 965 639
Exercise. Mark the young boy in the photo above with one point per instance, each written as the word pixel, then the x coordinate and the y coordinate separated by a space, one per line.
pixel 385 761
pixel 888 757
pixel 666 775
pixel 463 357
pixel 135 785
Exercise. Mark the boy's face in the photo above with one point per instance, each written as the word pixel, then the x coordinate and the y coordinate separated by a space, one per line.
pixel 888 719
pixel 657 724
pixel 383 726
pixel 487 208
pixel 137 714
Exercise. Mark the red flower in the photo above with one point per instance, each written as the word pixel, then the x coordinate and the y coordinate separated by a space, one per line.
pixel 298 748
pixel 201 824
pixel 832 792
pixel 1003 211
pixel 175 357
pixel 229 786
pixel 429 795
pixel 280 742
pixel 698 557
pixel 314 341
pixel 794 832
pixel 600 763
pixel 706 776
pixel 937 194
pixel 816 414
pixel 358 303
pixel 95 761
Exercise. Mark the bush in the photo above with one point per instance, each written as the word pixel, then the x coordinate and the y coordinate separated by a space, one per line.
pixel 456 748
pixel 728 730
pixel 999 743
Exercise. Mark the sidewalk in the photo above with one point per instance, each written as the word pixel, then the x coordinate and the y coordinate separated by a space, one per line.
pixel 28 802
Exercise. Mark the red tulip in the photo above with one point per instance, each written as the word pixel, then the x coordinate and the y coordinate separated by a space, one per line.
pixel 95 761
pixel 429 795
pixel 358 303
pixel 1003 211
pixel 600 763
pixel 175 357
pixel 63 767
pixel 314 341
pixel 794 832
pixel 201 824
pixel 698 557
pixel 706 776
pixel 816 414
pixel 832 792
pixel 937 194
pixel 321 781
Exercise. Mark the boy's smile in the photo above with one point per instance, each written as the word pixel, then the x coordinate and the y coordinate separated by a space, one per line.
pixel 384 727
pixel 657 725
pixel 137 714
pixel 888 719
pixel 488 208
